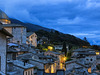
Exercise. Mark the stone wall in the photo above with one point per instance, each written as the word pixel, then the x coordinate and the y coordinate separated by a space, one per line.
pixel 29 71
pixel 37 64
pixel 33 39
pixel 70 66
pixel 19 34
pixel 3 52
pixel 90 59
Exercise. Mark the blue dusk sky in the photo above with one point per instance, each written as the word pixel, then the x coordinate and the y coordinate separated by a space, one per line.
pixel 77 17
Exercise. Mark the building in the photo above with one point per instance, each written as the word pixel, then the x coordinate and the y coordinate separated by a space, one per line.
pixel 60 58
pixel 17 67
pixel 83 62
pixel 3 43
pixel 32 38
pixel 43 40
pixel 4 18
pixel 60 47
pixel 14 50
pixel 18 31
pixel 11 54
pixel 42 62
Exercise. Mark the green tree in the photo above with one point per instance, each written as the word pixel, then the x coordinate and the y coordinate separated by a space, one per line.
pixel 85 39
pixel 64 48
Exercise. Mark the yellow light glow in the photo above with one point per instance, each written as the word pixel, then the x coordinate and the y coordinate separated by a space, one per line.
pixel 52 69
pixel 85 46
pixel 5 21
pixel 50 48
pixel 64 58
pixel 89 70
pixel 97 53
pixel 44 42
pixel 61 66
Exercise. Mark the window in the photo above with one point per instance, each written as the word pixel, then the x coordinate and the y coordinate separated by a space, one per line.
pixel 14 56
pixel 26 73
pixel 32 36
pixel 14 27
pixel 87 59
pixel 31 41
pixel 89 70
pixel 31 72
pixel 91 59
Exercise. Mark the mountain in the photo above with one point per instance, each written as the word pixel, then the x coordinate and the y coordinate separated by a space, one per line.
pixel 54 36
pixel 58 38
pixel 30 27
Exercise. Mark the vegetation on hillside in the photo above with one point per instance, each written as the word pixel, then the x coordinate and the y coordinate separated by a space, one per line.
pixel 57 38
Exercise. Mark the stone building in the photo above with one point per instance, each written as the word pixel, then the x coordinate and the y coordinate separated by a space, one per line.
pixel 17 67
pixel 32 38
pixel 42 62
pixel 43 40
pixel 18 31
pixel 60 47
pixel 3 42
pixel 83 62
pixel 60 58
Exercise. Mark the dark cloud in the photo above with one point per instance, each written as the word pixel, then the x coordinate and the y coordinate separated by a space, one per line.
pixel 78 17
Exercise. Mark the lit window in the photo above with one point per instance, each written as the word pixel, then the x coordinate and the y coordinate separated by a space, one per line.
pixel 89 70
pixel 97 53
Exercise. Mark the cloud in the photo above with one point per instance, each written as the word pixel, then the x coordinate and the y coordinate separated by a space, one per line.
pixel 78 17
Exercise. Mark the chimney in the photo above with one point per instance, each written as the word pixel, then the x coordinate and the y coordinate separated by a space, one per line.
pixel 25 61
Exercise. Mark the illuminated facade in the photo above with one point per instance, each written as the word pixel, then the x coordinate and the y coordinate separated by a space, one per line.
pixel 60 59
pixel 31 38
pixel 4 18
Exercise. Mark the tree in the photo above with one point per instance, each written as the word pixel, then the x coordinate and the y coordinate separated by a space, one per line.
pixel 85 39
pixel 64 48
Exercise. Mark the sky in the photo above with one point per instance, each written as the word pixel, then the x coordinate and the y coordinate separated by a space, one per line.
pixel 77 17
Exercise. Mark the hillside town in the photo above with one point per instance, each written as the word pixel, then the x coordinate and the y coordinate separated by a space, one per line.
pixel 20 54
